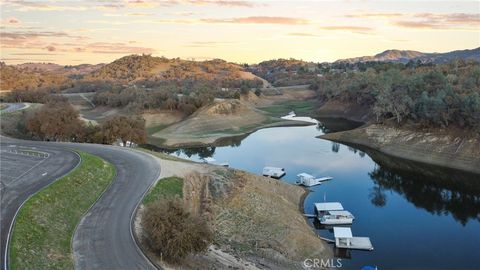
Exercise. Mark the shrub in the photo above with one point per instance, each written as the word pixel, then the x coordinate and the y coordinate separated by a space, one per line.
pixel 172 232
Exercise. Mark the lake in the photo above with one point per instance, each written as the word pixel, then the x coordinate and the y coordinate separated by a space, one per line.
pixel 417 216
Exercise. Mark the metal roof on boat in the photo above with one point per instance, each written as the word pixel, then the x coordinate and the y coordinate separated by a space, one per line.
pixel 342 232
pixel 329 206
pixel 340 213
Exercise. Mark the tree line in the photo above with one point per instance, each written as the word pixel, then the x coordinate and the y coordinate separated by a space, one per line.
pixel 433 95
pixel 57 120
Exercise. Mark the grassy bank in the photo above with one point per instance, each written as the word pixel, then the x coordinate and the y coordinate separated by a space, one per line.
pixel 301 108
pixel 168 187
pixel 155 128
pixel 45 225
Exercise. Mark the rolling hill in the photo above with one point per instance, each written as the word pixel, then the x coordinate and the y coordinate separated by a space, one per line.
pixel 133 68
pixel 404 56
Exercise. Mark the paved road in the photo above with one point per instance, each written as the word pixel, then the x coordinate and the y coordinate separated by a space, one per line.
pixel 103 239
pixel 11 107
pixel 23 172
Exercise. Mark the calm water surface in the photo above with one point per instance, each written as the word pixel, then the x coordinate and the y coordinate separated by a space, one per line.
pixel 417 217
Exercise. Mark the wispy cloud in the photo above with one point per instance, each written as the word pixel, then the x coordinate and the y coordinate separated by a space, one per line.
pixel 460 21
pixel 259 20
pixel 140 14
pixel 349 28
pixel 208 44
pixel 375 15
pixel 34 54
pixel 228 3
pixel 16 59
pixel 116 48
pixel 11 21
pixel 21 39
pixel 48 5
pixel 52 41
pixel 298 34
pixel 23 5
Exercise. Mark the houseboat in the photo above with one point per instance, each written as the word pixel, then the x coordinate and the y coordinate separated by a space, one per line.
pixel 308 180
pixel 273 172
pixel 341 217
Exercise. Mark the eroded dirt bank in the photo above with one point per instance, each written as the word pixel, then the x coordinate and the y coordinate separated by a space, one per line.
pixel 451 149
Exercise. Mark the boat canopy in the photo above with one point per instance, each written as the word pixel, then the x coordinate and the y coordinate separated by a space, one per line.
pixel 304 175
pixel 340 213
pixel 328 206
pixel 342 232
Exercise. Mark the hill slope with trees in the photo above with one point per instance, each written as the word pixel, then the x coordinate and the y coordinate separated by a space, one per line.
pixel 404 56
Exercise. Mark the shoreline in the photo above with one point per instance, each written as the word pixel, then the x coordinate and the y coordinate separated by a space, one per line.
pixel 432 148
pixel 213 140
pixel 221 252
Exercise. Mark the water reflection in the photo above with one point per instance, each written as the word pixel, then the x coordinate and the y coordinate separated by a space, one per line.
pixel 330 125
pixel 392 199
pixel 448 191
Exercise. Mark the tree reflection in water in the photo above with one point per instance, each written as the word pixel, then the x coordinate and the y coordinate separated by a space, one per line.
pixel 437 190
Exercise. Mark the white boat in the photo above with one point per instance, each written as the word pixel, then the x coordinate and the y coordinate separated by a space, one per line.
pixel 323 208
pixel 341 217
pixel 308 180
pixel 274 172
pixel 209 160
pixel 345 239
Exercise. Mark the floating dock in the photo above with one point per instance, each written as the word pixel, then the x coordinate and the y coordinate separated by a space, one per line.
pixel 345 239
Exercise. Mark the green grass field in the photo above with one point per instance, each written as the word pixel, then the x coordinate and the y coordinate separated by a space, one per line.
pixel 42 235
pixel 301 108
pixel 155 128
pixel 169 187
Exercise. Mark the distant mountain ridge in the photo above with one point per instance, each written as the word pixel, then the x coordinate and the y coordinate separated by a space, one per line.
pixel 404 56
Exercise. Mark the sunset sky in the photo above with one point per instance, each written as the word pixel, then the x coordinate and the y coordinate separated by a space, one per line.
pixel 75 32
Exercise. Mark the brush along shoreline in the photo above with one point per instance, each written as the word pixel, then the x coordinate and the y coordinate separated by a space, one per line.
pixel 257 221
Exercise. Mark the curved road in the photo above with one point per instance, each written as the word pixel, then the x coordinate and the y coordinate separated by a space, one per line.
pixel 103 239
pixel 19 181
pixel 11 107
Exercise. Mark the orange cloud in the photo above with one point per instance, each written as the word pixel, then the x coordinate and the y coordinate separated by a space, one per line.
pixel 50 48
pixel 259 20
pixel 349 28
